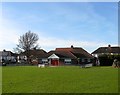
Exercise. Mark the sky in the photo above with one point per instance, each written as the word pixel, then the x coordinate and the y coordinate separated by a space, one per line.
pixel 60 24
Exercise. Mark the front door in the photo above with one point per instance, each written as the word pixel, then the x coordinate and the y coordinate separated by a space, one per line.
pixel 54 62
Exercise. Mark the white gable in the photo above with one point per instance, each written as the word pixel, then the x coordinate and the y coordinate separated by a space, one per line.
pixel 53 56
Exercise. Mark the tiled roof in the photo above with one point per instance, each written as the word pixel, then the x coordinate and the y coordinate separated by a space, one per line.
pixel 76 51
pixel 38 53
pixel 107 50
pixel 7 53
pixel 62 54
pixel 73 53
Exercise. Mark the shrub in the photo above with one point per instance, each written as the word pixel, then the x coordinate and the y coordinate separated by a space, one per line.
pixel 107 59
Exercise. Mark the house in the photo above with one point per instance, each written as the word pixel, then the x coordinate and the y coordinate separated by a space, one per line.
pixel 35 56
pixel 109 50
pixel 106 50
pixel 8 57
pixel 69 56
pixel 61 58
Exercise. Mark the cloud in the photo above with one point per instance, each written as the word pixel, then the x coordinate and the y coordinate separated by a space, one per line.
pixel 9 34
pixel 52 43
pixel 81 19
pixel 46 41
pixel 9 38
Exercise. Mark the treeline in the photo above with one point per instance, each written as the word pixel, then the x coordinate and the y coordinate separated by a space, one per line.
pixel 107 60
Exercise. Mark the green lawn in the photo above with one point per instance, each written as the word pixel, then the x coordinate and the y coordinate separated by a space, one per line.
pixel 0 80
pixel 67 79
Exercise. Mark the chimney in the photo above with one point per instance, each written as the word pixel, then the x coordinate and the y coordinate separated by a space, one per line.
pixel 109 46
pixel 71 46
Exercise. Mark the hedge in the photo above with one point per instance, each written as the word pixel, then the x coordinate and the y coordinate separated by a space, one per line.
pixel 107 59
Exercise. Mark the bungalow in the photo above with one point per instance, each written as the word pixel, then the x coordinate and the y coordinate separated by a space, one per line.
pixel 36 55
pixel 69 56
pixel 61 58
pixel 106 50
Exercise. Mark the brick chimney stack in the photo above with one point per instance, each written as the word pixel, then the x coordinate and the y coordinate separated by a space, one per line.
pixel 71 46
pixel 109 48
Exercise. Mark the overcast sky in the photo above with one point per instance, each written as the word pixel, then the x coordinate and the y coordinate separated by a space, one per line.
pixel 86 25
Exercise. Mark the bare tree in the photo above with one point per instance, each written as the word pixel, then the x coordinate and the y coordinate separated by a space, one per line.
pixel 27 42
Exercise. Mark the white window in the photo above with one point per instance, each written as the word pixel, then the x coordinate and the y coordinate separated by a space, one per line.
pixel 83 60
pixel 67 61
pixel 45 61
pixel 88 59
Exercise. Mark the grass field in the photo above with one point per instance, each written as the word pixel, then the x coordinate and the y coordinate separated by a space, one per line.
pixel 67 79
pixel 0 80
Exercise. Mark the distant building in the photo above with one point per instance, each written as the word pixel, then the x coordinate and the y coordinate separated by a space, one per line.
pixel 36 55
pixel 106 50
pixel 7 56
pixel 69 56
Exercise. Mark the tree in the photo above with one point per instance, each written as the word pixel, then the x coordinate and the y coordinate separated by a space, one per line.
pixel 27 42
